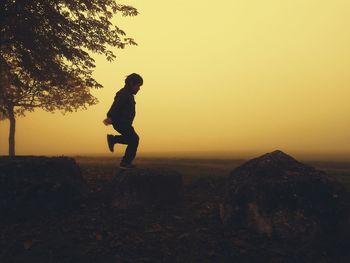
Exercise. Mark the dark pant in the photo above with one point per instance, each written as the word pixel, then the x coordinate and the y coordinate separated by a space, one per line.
pixel 128 136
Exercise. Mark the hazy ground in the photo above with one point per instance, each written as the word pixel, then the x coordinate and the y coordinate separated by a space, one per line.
pixel 191 232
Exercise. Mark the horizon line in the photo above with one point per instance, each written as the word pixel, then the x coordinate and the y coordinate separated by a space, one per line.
pixel 243 155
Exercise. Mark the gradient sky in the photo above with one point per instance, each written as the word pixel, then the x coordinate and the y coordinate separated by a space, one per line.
pixel 240 76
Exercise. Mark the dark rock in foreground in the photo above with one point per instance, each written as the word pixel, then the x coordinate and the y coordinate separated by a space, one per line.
pixel 278 196
pixel 146 187
pixel 36 185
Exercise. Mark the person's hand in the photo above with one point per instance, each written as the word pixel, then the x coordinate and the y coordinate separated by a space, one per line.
pixel 107 121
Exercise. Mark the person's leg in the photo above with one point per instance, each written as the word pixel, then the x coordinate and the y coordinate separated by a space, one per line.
pixel 131 149
pixel 113 139
pixel 120 139
pixel 122 129
pixel 128 136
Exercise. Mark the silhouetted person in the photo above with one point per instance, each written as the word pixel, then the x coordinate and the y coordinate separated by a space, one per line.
pixel 121 115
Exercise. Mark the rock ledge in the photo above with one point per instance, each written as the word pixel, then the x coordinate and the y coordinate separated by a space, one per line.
pixel 146 187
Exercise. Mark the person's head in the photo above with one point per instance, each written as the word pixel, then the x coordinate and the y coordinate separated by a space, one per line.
pixel 133 82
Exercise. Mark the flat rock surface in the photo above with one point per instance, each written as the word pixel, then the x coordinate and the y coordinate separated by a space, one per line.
pixel 154 187
pixel 32 185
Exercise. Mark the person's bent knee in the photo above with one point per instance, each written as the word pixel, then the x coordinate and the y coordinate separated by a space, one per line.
pixel 135 140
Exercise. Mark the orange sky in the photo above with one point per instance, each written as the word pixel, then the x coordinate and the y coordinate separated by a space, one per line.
pixel 246 76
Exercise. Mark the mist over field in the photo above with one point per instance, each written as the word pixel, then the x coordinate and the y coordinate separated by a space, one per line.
pixel 191 131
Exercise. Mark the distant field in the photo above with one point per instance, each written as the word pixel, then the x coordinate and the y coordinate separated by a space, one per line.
pixel 192 168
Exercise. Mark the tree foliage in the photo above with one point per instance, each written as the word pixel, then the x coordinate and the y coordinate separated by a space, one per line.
pixel 45 51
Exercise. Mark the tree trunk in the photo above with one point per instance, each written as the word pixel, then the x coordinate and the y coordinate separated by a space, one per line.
pixel 12 132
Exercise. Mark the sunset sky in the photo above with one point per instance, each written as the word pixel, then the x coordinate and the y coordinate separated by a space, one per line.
pixel 220 77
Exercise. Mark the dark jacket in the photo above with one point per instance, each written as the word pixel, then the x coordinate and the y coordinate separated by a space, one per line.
pixel 123 107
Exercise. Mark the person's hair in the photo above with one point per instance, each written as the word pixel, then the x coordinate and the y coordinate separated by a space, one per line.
pixel 133 79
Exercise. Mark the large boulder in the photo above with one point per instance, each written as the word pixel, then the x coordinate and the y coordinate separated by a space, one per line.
pixel 146 188
pixel 280 197
pixel 31 186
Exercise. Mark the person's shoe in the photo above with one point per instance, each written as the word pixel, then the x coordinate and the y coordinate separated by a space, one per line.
pixel 110 142
pixel 127 166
